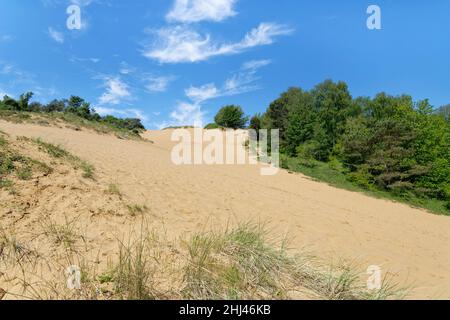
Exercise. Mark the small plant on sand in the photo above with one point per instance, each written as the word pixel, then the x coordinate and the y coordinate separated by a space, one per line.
pixel 7 185
pixel 11 249
pixel 24 173
pixel 61 234
pixel 135 209
pixel 114 189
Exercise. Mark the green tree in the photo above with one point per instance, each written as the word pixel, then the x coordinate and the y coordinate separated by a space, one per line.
pixel 333 104
pixel 55 106
pixel 231 117
pixel 24 101
pixel 301 122
pixel 79 106
pixel 10 103
pixel 278 112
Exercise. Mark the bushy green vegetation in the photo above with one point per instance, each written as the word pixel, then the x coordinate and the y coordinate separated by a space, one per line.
pixel 211 126
pixel 231 117
pixel 388 143
pixel 13 164
pixel 74 107
pixel 60 153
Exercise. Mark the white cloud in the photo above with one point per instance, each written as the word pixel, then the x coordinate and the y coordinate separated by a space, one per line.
pixel 82 3
pixel 158 84
pixel 56 35
pixel 116 91
pixel 188 11
pixel 182 44
pixel 76 59
pixel 255 64
pixel 202 93
pixel 191 113
pixel 238 83
pixel 185 114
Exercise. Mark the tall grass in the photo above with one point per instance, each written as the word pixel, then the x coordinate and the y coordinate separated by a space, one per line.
pixel 242 264
pixel 133 274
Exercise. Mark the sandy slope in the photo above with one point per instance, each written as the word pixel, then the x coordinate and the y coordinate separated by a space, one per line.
pixel 411 244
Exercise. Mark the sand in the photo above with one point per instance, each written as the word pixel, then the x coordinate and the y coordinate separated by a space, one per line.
pixel 411 245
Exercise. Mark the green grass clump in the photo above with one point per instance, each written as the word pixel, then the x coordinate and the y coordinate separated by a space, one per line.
pixel 7 185
pixel 114 189
pixel 60 153
pixel 25 173
pixel 133 275
pixel 235 265
pixel 21 166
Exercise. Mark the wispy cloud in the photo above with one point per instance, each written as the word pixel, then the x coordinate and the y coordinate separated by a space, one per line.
pixel 183 44
pixel 202 93
pixel 81 3
pixel 240 82
pixel 16 75
pixel 116 91
pixel 19 81
pixel 6 37
pixel 184 114
pixel 56 35
pixel 77 59
pixel 191 113
pixel 188 11
pixel 158 84
pixel 125 68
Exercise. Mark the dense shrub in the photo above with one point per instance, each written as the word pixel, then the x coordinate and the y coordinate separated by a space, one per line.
pixel 231 117
pixel 211 126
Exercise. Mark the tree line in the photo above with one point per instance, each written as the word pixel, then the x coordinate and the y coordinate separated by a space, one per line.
pixel 75 105
pixel 387 142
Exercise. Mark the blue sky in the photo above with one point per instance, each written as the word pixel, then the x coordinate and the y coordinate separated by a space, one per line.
pixel 173 62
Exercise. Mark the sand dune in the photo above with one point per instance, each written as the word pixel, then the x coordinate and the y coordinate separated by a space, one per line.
pixel 411 244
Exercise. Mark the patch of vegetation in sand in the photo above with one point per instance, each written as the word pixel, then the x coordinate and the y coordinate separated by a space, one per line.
pixel 60 153
pixel 14 165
